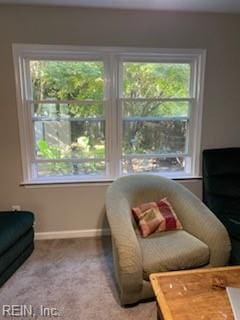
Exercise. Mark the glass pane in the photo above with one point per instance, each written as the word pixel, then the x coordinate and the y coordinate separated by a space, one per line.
pixel 70 139
pixel 67 80
pixel 159 80
pixel 154 165
pixel 46 110
pixel 61 169
pixel 155 108
pixel 162 137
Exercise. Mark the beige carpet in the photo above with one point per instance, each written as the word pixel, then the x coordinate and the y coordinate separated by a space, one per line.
pixel 75 277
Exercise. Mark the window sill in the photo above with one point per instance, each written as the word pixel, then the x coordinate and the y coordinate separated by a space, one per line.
pixel 87 183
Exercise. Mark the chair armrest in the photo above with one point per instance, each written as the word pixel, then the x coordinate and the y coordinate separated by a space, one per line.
pixel 198 220
pixel 126 250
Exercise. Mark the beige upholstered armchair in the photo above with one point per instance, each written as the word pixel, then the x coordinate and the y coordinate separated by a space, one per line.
pixel 202 242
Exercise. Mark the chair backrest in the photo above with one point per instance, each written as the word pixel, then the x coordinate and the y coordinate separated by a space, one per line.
pixel 221 185
pixel 142 188
pixel 130 191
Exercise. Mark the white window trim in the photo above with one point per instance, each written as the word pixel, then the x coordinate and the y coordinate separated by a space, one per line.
pixel 111 57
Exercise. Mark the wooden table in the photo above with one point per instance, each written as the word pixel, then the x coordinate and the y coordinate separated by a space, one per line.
pixel 197 294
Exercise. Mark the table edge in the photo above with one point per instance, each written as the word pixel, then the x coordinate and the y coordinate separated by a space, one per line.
pixel 195 271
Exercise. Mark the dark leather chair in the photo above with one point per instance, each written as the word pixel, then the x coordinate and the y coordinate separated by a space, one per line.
pixel 221 191
pixel 16 241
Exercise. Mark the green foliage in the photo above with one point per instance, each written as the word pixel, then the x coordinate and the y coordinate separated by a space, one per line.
pixel 79 149
pixel 67 80
pixel 155 80
pixel 52 152
pixel 48 151
pixel 159 80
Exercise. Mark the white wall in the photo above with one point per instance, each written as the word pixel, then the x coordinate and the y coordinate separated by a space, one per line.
pixel 82 207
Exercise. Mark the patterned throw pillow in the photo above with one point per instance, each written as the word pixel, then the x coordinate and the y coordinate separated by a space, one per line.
pixel 156 216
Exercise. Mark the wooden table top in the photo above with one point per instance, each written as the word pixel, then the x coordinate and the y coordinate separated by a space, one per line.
pixel 197 294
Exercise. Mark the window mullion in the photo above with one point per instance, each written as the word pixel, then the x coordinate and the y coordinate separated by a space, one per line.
pixel 59 118
pixel 154 155
pixel 186 99
pixel 75 101
pixel 156 118
pixel 112 127
pixel 119 119
pixel 71 160
pixel 108 116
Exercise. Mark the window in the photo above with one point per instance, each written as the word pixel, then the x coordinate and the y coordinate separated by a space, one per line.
pixel 88 113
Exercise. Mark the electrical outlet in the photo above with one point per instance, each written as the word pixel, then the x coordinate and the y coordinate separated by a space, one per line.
pixel 16 207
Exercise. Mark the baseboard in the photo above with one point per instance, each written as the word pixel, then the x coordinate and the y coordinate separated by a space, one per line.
pixel 89 233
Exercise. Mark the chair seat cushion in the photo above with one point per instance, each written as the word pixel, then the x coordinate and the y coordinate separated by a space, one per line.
pixel 172 250
pixel 13 226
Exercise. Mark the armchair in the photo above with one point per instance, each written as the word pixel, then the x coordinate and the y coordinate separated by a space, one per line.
pixel 203 242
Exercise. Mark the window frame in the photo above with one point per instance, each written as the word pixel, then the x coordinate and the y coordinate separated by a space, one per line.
pixel 112 58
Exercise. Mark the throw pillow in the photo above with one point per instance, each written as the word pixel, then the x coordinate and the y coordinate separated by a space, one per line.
pixel 156 216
